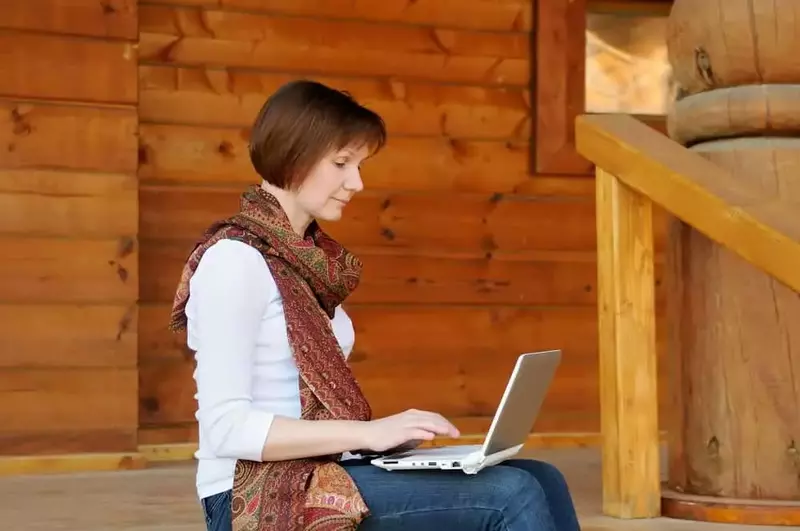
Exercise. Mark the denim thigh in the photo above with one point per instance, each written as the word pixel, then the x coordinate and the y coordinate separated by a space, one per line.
pixel 505 497
pixel 518 495
pixel 217 511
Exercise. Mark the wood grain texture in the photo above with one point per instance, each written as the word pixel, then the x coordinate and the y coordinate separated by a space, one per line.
pixel 207 37
pixel 97 271
pixel 466 353
pixel 559 86
pixel 76 336
pixel 68 228
pixel 456 229
pixel 96 18
pixel 71 463
pixel 754 45
pixel 194 155
pixel 67 68
pixel 734 212
pixel 496 15
pixel 739 288
pixel 628 355
pixel 398 220
pixel 232 98
pixel 44 410
pixel 68 137
pixel 404 276
pixel 724 510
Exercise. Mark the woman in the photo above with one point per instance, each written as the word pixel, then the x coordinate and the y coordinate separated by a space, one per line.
pixel 278 408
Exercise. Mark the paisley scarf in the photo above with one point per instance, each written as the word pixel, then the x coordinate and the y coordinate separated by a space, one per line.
pixel 314 275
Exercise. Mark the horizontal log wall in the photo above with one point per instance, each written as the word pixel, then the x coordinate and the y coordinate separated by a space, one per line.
pixel 69 277
pixel 470 259
pixel 109 171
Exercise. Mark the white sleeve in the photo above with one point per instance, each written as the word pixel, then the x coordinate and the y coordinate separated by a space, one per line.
pixel 229 292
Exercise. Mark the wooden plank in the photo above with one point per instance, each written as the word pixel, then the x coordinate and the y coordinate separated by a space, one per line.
pixel 172 154
pixel 231 98
pixel 51 400
pixel 405 277
pixel 67 68
pixel 763 231
pixel 192 36
pixel 559 85
pixel 66 464
pixel 455 388
pixel 68 441
pixel 69 216
pixel 422 333
pixel 68 137
pixel 67 184
pixel 502 15
pixel 173 442
pixel 109 18
pixel 194 155
pixel 181 450
pixel 42 270
pixel 74 336
pixel 627 334
pixel 91 205
pixel 399 220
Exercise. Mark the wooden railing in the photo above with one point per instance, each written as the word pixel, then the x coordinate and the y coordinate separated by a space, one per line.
pixel 639 167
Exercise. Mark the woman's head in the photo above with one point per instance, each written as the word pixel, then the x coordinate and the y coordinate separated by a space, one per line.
pixel 308 143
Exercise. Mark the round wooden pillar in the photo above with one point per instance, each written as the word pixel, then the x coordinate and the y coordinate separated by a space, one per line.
pixel 733 331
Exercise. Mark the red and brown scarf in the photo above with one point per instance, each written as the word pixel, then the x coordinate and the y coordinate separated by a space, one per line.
pixel 314 275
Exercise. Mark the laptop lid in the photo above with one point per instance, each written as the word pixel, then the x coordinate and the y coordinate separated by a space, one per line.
pixel 523 397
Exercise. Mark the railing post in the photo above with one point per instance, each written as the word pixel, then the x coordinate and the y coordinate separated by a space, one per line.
pixel 628 379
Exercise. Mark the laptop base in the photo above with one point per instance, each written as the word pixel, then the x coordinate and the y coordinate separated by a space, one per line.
pixel 469 459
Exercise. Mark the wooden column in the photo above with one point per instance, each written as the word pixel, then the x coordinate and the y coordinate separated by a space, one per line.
pixel 627 332
pixel 734 331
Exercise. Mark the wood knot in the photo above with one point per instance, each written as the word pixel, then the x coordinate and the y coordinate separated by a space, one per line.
pixel 107 7
pixel 713 447
pixel 702 63
pixel 388 234
pixel 22 126
pixel 143 155
pixel 125 246
pixel 149 404
pixel 125 322
pixel 122 273
pixel 225 149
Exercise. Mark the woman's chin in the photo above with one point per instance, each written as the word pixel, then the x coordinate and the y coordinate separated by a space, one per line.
pixel 333 213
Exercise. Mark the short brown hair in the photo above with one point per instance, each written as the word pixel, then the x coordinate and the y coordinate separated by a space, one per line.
pixel 303 121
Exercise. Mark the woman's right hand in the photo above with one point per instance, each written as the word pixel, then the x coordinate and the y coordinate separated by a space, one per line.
pixel 390 432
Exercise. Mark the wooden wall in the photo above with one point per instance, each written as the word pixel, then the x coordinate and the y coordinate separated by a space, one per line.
pixel 68 225
pixel 479 243
pixel 470 258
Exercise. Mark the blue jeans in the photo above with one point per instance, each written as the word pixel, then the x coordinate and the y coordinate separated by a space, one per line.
pixel 517 495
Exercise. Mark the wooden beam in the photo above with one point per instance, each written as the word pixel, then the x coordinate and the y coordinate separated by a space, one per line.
pixel 628 379
pixel 765 233
pixel 71 463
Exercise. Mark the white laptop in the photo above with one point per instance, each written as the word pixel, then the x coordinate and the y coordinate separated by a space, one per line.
pixel 512 423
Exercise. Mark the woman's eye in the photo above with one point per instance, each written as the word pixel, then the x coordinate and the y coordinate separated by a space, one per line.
pixel 339 164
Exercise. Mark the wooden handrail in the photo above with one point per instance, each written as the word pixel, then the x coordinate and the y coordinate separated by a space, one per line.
pixel 637 167
pixel 697 191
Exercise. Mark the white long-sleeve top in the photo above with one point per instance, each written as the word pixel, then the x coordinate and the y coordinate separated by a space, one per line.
pixel 245 371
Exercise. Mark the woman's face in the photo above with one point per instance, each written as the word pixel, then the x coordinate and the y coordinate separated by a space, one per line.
pixel 332 183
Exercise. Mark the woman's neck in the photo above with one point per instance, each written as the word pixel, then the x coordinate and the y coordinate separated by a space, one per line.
pixel 298 218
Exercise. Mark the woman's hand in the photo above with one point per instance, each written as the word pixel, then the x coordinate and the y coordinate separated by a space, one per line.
pixel 401 429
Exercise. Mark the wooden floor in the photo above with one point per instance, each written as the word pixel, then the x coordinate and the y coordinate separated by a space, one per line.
pixel 163 499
